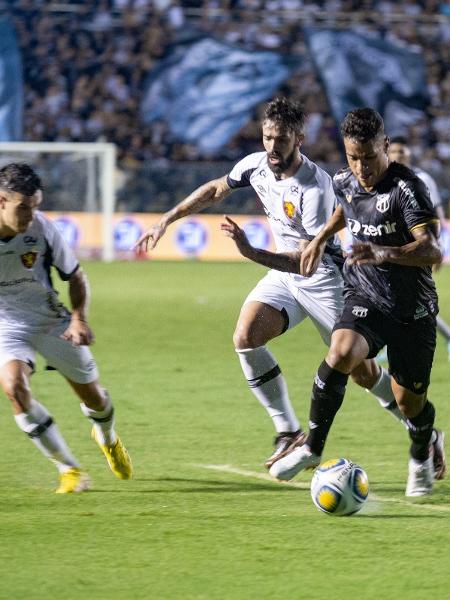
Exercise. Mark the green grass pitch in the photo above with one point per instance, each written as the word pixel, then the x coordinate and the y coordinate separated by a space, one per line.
pixel 183 529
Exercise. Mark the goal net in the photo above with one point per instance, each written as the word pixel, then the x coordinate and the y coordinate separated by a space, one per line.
pixel 79 190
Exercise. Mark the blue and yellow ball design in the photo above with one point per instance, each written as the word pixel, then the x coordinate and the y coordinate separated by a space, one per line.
pixel 333 464
pixel 328 499
pixel 339 487
pixel 360 484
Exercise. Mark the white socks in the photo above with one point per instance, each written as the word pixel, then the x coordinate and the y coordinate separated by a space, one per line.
pixel 382 390
pixel 43 432
pixel 103 421
pixel 267 383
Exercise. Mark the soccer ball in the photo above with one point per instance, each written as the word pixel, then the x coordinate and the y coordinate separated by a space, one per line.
pixel 339 487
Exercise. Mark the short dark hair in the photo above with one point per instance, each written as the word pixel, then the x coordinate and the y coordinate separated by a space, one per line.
pixel 286 113
pixel 399 139
pixel 20 177
pixel 362 125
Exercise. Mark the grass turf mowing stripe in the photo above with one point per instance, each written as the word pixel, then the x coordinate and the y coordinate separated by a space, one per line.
pixel 306 486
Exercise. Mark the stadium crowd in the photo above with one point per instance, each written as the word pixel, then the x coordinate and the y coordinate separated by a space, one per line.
pixel 85 67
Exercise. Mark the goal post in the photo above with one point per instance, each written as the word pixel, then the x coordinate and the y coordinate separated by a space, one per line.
pixel 78 177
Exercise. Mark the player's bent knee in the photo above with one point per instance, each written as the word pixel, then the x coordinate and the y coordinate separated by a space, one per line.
pixel 344 362
pixel 245 338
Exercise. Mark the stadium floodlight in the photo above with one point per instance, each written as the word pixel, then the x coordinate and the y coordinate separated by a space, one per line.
pixel 77 176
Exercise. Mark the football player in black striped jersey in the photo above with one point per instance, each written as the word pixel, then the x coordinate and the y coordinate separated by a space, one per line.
pixel 390 297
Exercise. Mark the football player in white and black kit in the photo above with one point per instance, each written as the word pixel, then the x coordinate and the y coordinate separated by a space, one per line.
pixel 33 321
pixel 390 297
pixel 298 199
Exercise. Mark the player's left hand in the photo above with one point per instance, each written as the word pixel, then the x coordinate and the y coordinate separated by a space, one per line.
pixel 78 333
pixel 366 253
pixel 232 230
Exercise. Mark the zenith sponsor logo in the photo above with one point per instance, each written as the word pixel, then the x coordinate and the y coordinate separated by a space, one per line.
pixel 371 230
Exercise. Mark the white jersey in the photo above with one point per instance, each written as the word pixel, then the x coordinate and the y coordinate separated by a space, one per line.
pixel 27 298
pixel 431 185
pixel 297 207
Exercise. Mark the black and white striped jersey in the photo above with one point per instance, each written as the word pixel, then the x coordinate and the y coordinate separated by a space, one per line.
pixel 386 216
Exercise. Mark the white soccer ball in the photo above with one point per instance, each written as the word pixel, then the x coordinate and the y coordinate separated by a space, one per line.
pixel 339 487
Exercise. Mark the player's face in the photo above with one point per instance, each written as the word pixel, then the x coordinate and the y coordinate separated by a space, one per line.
pixel 17 211
pixel 282 146
pixel 400 153
pixel 368 161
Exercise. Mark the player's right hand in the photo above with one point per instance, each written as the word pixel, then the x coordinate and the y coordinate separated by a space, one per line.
pixel 232 230
pixel 150 238
pixel 310 258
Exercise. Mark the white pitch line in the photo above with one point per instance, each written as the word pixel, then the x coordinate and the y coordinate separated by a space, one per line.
pixel 306 486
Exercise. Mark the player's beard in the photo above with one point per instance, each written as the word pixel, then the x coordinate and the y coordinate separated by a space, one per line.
pixel 284 164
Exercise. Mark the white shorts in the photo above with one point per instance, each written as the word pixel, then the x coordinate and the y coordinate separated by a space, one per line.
pixel 321 298
pixel 74 362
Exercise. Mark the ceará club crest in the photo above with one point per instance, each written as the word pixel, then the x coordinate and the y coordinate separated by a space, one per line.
pixel 382 204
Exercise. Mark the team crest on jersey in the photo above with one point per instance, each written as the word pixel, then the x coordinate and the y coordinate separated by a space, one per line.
pixel 289 209
pixel 382 204
pixel 348 197
pixel 28 259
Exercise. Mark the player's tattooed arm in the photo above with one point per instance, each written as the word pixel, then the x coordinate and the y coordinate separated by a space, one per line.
pixel 312 255
pixel 79 333
pixel 283 261
pixel 423 251
pixel 203 197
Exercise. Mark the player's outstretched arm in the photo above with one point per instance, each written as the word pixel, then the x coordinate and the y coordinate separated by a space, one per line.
pixel 203 197
pixel 312 255
pixel 424 251
pixel 283 261
pixel 79 333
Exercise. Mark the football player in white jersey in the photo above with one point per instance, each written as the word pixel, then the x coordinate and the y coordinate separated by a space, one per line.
pixel 33 321
pixel 400 152
pixel 298 198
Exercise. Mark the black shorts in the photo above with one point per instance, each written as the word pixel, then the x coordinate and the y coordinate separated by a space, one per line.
pixel 410 347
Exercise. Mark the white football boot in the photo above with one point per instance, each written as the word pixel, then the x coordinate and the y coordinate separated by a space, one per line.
pixel 420 477
pixel 299 459
pixel 284 443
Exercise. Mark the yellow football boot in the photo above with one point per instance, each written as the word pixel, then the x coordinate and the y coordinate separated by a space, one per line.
pixel 119 460
pixel 72 481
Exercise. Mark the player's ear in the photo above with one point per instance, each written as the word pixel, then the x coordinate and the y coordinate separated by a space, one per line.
pixel 300 139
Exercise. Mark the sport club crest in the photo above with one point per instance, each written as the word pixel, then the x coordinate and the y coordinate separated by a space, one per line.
pixel 382 204
pixel 28 259
pixel 289 209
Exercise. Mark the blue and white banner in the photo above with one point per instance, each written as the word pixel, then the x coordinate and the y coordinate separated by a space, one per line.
pixel 205 90
pixel 366 70
pixel 11 92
